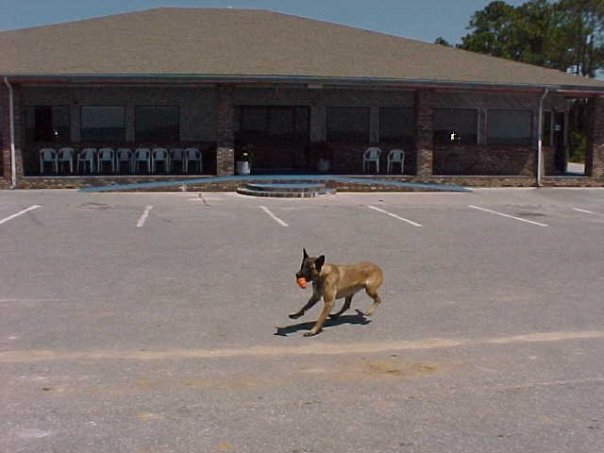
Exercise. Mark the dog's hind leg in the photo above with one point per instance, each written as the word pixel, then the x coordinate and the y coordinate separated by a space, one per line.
pixel 372 292
pixel 345 307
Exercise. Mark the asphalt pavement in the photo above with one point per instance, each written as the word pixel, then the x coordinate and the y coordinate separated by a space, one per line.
pixel 157 322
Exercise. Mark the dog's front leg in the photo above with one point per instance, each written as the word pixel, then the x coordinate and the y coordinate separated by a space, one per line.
pixel 311 302
pixel 327 306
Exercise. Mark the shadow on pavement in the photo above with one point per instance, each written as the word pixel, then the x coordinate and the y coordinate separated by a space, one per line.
pixel 357 319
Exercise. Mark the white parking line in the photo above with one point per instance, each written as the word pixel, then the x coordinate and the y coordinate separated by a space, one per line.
pixel 383 211
pixel 10 217
pixel 532 222
pixel 585 211
pixel 273 216
pixel 143 218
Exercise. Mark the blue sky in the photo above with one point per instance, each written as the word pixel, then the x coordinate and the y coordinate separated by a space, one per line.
pixel 416 19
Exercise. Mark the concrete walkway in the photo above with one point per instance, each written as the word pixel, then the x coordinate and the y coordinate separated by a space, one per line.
pixel 280 178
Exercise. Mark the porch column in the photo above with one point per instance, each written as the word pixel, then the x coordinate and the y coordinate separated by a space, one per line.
pixel 594 156
pixel 424 135
pixel 225 135
pixel 5 136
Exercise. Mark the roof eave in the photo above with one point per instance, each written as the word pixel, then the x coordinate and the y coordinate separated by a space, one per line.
pixel 317 81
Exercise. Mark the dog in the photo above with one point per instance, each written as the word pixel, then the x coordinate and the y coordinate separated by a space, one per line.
pixel 335 281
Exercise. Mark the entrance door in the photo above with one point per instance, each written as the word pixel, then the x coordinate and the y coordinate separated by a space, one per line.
pixel 559 144
pixel 278 134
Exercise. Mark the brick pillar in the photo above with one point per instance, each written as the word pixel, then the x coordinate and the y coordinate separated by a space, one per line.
pixel 225 146
pixel 5 152
pixel 594 156
pixel 424 135
pixel 4 135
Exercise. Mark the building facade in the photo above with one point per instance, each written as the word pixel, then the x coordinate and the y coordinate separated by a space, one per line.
pixel 473 129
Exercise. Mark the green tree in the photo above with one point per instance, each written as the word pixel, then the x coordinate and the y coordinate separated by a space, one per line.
pixel 565 35
pixel 581 31
pixel 492 32
pixel 442 41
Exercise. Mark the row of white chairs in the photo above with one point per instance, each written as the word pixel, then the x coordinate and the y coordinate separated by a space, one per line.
pixel 372 156
pixel 98 160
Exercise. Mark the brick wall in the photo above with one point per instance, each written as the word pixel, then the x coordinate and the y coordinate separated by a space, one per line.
pixel 594 159
pixel 4 136
pixel 5 152
pixel 484 160
pixel 424 114
pixel 225 132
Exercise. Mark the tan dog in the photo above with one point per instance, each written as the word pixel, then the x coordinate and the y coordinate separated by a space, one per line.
pixel 333 281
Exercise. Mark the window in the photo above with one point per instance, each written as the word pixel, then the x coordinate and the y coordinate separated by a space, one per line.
pixel 48 123
pixel 397 125
pixel 349 124
pixel 274 123
pixel 103 123
pixel 509 127
pixel 547 128
pixel 455 126
pixel 157 123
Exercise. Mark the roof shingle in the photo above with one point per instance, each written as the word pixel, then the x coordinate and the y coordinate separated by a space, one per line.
pixel 197 42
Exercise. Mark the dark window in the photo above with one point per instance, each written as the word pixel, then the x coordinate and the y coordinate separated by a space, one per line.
pixel 157 123
pixel 273 123
pixel 48 123
pixel 509 127
pixel 349 124
pixel 397 125
pixel 547 129
pixel 455 126
pixel 103 124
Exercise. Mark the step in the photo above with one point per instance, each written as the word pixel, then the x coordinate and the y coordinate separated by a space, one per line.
pixel 284 190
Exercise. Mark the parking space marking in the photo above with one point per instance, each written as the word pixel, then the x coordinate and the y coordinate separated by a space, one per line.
pixel 383 211
pixel 23 211
pixel 273 216
pixel 532 222
pixel 585 211
pixel 143 218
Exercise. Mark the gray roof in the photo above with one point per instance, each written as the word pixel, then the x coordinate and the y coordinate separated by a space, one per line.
pixel 254 45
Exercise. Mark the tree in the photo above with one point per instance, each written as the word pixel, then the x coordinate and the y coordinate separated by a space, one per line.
pixel 492 31
pixel 567 35
pixel 442 41
pixel 581 25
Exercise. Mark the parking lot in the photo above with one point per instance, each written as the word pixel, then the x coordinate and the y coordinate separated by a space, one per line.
pixel 157 322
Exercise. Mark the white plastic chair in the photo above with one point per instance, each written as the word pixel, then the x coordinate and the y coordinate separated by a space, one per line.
pixel 160 155
pixel 65 156
pixel 193 155
pixel 142 156
pixel 48 156
pixel 177 155
pixel 87 156
pixel 105 156
pixel 124 156
pixel 372 155
pixel 395 156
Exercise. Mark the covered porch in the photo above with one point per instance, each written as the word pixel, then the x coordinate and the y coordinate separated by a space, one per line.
pixel 482 137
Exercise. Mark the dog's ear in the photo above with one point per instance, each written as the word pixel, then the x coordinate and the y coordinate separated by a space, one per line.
pixel 319 262
pixel 305 254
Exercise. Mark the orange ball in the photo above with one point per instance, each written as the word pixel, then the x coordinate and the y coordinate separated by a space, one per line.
pixel 301 282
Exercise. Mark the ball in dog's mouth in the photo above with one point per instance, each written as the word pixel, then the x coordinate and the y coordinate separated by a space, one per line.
pixel 301 281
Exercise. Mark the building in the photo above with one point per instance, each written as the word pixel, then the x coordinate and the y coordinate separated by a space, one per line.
pixel 293 89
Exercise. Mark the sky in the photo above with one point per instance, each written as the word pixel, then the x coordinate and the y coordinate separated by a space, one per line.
pixel 424 20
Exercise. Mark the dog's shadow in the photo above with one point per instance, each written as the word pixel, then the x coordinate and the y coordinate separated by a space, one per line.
pixel 358 319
